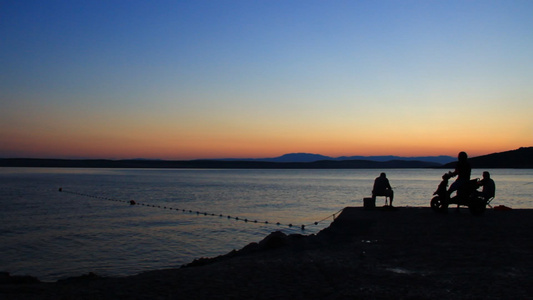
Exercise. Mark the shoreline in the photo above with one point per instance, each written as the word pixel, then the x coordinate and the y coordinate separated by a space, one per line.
pixel 409 253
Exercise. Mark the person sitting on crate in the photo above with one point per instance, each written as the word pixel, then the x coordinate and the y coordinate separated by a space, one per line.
pixel 489 188
pixel 382 188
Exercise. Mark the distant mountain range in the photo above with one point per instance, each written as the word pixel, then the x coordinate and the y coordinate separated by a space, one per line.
pixel 213 164
pixel 519 158
pixel 309 157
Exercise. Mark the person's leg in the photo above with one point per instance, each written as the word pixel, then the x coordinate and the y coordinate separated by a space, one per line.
pixel 454 187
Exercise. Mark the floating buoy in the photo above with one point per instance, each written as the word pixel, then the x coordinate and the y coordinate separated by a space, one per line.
pixel 132 202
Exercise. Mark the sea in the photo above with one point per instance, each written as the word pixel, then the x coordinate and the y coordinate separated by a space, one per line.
pixel 65 222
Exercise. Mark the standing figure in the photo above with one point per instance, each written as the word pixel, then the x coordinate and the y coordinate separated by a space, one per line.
pixel 382 188
pixel 462 171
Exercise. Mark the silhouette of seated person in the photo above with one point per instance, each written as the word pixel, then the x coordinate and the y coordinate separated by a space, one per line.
pixel 489 188
pixel 462 171
pixel 382 188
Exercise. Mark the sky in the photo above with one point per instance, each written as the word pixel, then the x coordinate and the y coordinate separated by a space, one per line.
pixel 253 79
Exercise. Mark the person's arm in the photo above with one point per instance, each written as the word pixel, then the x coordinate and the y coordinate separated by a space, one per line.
pixel 455 172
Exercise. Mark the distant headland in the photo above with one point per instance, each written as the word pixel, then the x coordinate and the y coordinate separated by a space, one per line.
pixel 519 158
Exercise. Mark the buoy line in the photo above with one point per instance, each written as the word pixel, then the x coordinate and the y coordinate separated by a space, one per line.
pixel 246 220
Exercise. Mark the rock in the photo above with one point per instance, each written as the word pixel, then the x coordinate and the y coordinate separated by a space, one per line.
pixel 274 240
pixel 83 278
pixel 6 278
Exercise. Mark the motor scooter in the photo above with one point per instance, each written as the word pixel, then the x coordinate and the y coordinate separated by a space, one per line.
pixel 467 195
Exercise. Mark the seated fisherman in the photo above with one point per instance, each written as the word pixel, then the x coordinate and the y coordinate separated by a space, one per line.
pixel 489 188
pixel 382 188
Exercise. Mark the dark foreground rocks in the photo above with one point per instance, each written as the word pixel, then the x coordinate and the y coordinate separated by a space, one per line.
pixel 410 253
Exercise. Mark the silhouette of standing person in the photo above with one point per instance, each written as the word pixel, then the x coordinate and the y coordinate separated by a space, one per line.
pixel 382 188
pixel 462 171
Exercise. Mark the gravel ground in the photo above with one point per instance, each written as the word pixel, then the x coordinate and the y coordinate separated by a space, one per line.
pixel 405 253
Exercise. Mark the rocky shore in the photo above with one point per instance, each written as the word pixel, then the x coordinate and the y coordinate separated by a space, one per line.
pixel 407 253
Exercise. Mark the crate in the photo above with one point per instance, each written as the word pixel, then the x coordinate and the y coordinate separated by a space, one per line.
pixel 369 203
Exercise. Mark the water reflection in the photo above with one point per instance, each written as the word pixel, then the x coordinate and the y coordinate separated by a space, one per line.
pixel 52 235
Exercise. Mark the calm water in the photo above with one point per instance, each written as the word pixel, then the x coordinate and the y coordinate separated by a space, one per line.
pixel 54 235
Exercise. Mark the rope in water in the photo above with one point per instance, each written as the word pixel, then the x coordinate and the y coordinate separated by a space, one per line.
pixel 246 220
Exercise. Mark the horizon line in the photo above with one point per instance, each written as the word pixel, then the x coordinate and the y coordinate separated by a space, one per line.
pixel 252 158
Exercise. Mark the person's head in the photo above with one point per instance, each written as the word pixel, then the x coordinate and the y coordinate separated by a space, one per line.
pixel 486 175
pixel 462 156
pixel 382 175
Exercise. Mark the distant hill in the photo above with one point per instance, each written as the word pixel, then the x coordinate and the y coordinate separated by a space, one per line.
pixel 310 157
pixel 212 164
pixel 521 158
pixel 442 159
pixel 297 157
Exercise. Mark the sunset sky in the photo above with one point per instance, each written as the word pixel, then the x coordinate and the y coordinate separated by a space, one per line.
pixel 213 79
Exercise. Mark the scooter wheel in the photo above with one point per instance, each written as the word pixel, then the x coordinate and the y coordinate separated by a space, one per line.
pixel 439 205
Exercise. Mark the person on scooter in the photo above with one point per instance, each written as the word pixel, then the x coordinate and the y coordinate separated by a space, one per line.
pixel 462 171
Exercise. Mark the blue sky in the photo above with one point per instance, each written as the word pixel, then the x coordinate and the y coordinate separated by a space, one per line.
pixel 196 79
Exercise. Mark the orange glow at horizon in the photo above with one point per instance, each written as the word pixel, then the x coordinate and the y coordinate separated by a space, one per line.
pixel 166 135
pixel 165 145
pixel 135 134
